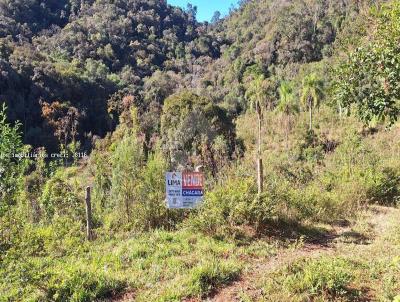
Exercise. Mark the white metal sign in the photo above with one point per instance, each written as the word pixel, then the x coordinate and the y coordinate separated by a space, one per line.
pixel 184 190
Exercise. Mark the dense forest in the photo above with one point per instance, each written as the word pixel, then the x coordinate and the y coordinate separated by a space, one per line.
pixel 289 107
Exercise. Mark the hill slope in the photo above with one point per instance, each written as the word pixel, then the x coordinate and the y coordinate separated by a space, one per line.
pixel 80 55
pixel 90 55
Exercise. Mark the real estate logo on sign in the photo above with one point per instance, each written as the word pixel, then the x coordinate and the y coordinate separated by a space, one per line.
pixel 184 189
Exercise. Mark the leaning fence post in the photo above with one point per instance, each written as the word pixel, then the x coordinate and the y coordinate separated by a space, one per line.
pixel 89 233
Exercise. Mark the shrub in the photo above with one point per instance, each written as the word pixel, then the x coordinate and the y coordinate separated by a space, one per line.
pixel 357 175
pixel 127 161
pixel 11 169
pixel 141 201
pixel 63 236
pixel 192 124
pixel 130 181
pixel 150 211
pixel 231 206
pixel 101 169
pixel 310 147
pixel 385 188
pixel 308 203
pixel 296 172
pixel 60 199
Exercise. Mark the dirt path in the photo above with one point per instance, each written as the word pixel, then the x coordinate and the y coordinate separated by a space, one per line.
pixel 378 219
pixel 248 281
pixel 343 239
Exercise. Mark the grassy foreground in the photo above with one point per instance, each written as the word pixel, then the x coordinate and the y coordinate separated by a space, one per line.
pixel 349 261
pixel 359 263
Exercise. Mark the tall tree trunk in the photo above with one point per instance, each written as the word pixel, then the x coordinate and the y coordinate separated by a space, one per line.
pixel 260 176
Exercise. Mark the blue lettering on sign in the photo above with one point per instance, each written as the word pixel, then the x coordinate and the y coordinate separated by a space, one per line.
pixel 192 192
pixel 174 182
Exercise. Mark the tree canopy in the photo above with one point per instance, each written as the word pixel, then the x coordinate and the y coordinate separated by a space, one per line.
pixel 368 80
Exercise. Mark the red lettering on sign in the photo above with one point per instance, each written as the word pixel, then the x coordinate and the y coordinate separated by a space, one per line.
pixel 192 180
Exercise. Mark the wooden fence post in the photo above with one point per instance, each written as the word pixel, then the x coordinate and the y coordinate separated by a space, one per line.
pixel 89 232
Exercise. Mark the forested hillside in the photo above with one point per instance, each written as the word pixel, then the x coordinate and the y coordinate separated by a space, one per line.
pixel 67 56
pixel 289 108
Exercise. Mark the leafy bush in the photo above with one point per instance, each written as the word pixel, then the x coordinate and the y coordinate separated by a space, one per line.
pixel 19 278
pixel 11 169
pixel 232 205
pixel 192 127
pixel 386 186
pixel 60 199
pixel 62 237
pixel 140 201
pixel 295 172
pixel 367 80
pixel 129 181
pixel 310 147
pixel 127 161
pixel 150 210
pixel 355 175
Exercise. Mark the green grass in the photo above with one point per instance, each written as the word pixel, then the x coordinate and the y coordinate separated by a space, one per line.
pixel 323 276
pixel 308 278
pixel 169 266
pixel 157 266
pixel 356 271
pixel 172 266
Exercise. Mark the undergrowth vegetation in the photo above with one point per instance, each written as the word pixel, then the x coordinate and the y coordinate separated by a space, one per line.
pixel 372 272
pixel 325 277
